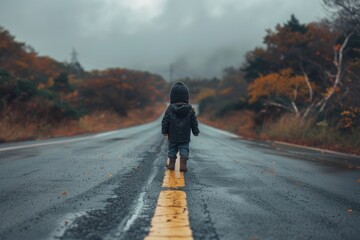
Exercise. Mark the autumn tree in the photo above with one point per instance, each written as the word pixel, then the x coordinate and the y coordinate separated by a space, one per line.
pixel 21 60
pixel 257 63
pixel 15 57
pixel 284 48
pixel 200 88
pixel 314 51
pixel 44 92
pixel 233 85
pixel 284 89
pixel 120 90
pixel 61 83
pixel 45 70
pixel 346 19
pixel 347 13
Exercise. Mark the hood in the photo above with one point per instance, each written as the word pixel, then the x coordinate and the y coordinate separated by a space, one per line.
pixel 181 110
pixel 179 93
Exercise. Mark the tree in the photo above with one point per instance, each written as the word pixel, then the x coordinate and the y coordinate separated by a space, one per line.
pixel 346 18
pixel 283 89
pixel 120 90
pixel 233 85
pixel 257 63
pixel 61 83
pixel 284 48
pixel 294 25
pixel 347 13
pixel 21 60
pixel 314 51
pixel 13 55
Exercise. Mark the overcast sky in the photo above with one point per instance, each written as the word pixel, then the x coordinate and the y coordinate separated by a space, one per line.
pixel 199 37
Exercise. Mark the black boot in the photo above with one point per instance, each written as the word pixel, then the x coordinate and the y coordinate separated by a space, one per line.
pixel 171 165
pixel 183 167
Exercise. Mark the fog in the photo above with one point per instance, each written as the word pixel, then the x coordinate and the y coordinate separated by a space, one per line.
pixel 198 38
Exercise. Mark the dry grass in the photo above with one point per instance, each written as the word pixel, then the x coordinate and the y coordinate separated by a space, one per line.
pixel 16 127
pixel 241 123
pixel 10 131
pixel 289 129
pixel 309 133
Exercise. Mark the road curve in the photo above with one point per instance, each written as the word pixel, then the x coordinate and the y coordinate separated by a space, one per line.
pixel 107 186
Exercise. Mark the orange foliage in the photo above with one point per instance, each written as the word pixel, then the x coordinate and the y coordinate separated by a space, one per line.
pixel 42 97
pixel 281 84
pixel 22 61
pixel 349 117
pixel 225 91
pixel 317 42
pixel 120 89
pixel 205 93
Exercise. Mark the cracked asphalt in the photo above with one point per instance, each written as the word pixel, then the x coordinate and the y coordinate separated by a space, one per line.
pixel 106 186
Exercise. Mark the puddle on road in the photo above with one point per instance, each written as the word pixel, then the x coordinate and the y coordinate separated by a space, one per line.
pixel 65 224
pixel 113 140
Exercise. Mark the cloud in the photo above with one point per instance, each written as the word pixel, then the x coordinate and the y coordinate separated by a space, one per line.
pixel 200 36
pixel 187 21
pixel 218 9
pixel 123 16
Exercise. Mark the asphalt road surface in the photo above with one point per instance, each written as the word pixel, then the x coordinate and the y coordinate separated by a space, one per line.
pixel 114 186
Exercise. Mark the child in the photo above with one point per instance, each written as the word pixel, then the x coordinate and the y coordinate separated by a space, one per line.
pixel 178 121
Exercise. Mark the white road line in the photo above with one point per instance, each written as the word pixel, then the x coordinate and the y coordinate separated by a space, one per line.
pixel 56 142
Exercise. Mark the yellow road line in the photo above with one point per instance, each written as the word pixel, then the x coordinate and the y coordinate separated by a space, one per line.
pixel 173 179
pixel 171 218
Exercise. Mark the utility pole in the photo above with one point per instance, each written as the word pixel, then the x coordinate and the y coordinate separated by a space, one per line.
pixel 74 55
pixel 75 63
pixel 171 72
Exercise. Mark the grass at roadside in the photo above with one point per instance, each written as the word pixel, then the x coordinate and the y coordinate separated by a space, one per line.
pixel 289 129
pixel 241 123
pixel 14 127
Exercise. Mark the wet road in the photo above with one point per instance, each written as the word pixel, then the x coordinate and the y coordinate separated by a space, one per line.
pixel 108 186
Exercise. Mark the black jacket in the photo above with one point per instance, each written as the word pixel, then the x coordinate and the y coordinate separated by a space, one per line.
pixel 178 121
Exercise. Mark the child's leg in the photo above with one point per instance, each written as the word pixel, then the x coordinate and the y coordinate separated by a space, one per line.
pixel 172 151
pixel 184 150
pixel 184 155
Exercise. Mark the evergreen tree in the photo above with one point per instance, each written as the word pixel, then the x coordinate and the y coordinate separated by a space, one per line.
pixel 294 25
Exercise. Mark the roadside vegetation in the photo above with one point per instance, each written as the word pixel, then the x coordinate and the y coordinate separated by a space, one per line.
pixel 41 97
pixel 301 86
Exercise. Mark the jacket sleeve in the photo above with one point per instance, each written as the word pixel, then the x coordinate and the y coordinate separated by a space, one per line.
pixel 194 123
pixel 165 123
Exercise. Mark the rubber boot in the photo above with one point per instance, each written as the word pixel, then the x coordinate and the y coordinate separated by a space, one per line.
pixel 183 167
pixel 171 165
